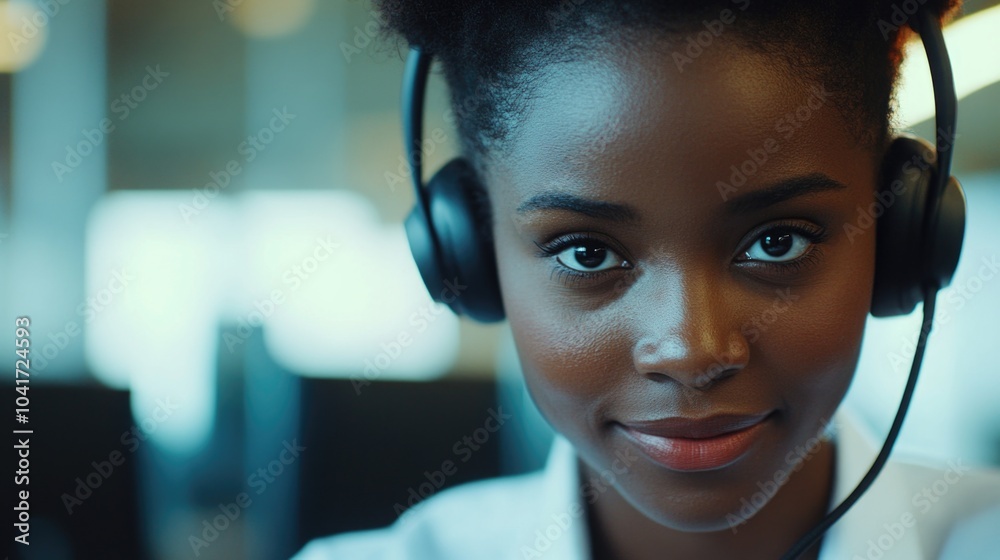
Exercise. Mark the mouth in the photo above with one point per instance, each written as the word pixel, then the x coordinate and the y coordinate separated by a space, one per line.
pixel 697 444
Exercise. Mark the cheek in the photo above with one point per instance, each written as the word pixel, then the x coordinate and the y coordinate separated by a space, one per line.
pixel 811 350
pixel 572 360
pixel 569 365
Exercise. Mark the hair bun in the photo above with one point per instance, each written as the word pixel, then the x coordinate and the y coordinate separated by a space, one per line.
pixel 488 49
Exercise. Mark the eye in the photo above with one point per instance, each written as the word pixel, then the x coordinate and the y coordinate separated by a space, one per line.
pixel 779 245
pixel 588 256
pixel 584 255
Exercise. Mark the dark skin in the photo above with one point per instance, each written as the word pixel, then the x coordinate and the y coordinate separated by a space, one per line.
pixel 674 306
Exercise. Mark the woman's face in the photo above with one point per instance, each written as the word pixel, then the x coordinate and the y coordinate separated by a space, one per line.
pixel 674 265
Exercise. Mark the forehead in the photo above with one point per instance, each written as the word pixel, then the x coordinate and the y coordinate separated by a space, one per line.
pixel 636 117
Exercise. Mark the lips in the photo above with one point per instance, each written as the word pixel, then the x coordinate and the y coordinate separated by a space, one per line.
pixel 695 428
pixel 697 444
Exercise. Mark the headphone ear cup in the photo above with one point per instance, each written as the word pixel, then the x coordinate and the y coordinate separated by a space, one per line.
pixel 455 256
pixel 902 247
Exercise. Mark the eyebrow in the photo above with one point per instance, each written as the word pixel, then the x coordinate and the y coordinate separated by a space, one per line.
pixel 783 190
pixel 611 211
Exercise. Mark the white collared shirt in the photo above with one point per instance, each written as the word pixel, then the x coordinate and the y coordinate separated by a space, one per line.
pixel 911 512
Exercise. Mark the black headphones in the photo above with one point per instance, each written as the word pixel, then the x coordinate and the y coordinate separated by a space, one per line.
pixel 919 212
pixel 450 248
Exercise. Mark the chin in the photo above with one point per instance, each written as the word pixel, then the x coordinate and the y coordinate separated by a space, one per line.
pixel 698 515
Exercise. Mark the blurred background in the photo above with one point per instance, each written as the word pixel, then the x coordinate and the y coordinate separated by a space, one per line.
pixel 231 350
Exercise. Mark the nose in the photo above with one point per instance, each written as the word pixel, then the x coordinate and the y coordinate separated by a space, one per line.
pixel 688 332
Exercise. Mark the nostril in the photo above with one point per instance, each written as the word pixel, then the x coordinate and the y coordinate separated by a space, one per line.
pixel 714 373
pixel 658 376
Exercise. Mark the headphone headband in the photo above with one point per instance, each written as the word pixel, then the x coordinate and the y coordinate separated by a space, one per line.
pixel 945 122
pixel 418 66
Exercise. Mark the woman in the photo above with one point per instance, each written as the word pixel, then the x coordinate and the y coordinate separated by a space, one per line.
pixel 668 185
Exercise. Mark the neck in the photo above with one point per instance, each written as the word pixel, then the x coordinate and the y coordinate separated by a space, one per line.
pixel 619 531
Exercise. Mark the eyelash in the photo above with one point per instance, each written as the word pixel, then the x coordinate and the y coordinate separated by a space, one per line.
pixel 816 235
pixel 567 275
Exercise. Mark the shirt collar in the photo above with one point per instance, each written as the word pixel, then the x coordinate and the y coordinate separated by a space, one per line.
pixel 862 527
pixel 561 533
pixel 560 527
